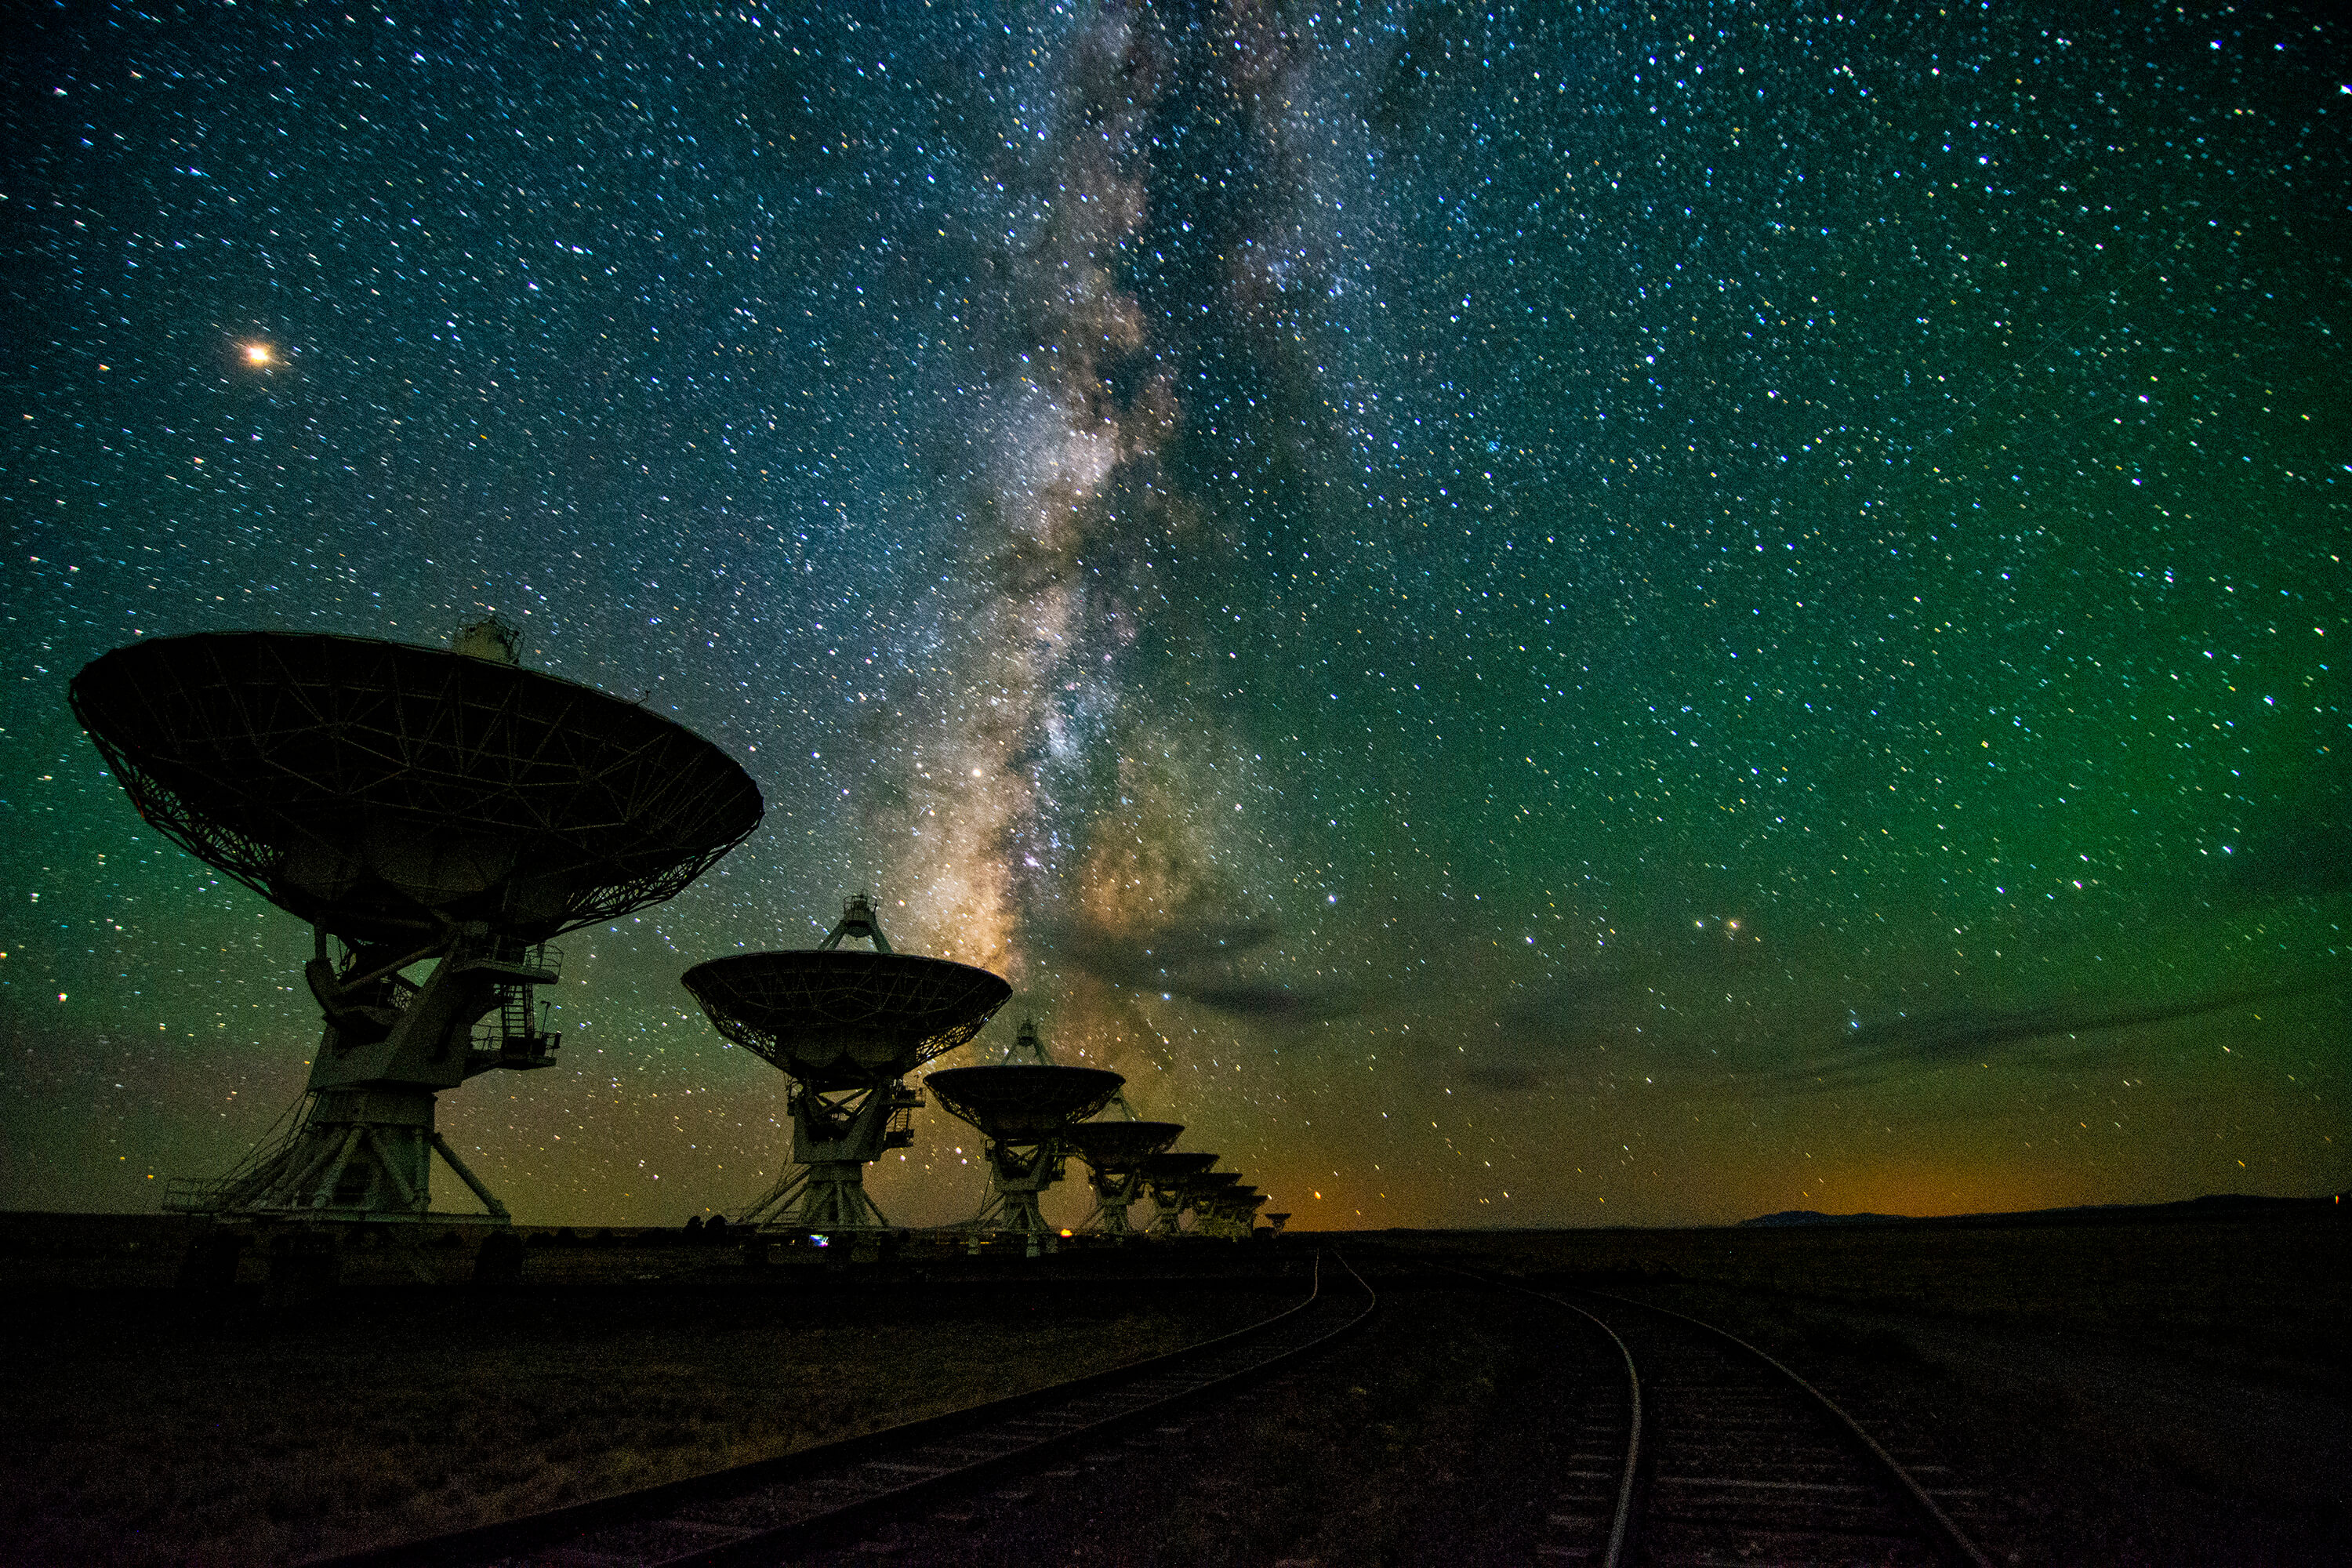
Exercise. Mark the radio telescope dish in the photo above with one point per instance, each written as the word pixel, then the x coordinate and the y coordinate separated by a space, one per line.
pixel 1022 1110
pixel 1202 1193
pixel 1166 1176
pixel 1173 1166
pixel 1120 1145
pixel 416 805
pixel 383 792
pixel 840 1018
pixel 846 1026
pixel 1023 1104
pixel 1225 1212
pixel 1115 1153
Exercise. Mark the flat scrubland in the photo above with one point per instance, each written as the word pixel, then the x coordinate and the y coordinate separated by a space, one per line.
pixel 151 1426
pixel 2173 1392
pixel 2132 1392
pixel 2266 1289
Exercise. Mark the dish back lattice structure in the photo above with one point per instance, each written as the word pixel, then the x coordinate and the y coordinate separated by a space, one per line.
pixel 847 1027
pixel 418 808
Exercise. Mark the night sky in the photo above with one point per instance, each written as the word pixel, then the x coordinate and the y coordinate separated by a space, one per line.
pixel 1569 614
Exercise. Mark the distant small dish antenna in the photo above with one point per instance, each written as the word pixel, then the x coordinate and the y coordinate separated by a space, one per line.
pixel 1171 1178
pixel 1116 1154
pixel 1230 1212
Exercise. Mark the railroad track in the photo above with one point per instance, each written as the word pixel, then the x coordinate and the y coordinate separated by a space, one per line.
pixel 764 1512
pixel 1716 1453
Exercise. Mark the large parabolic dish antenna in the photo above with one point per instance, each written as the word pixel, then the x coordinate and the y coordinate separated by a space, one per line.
pixel 1231 1212
pixel 1168 1178
pixel 1023 1104
pixel 1177 1166
pixel 842 1018
pixel 1120 1145
pixel 846 1025
pixel 1115 1153
pixel 1207 1195
pixel 416 806
pixel 381 791
pixel 1022 1107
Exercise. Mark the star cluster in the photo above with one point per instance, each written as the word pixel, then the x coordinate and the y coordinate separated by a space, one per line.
pixel 1550 614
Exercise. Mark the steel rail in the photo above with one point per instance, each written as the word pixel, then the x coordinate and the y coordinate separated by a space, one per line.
pixel 1024 1426
pixel 1948 1536
pixel 1621 1520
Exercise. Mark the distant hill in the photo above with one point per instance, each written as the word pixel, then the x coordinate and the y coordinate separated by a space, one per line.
pixel 2213 1207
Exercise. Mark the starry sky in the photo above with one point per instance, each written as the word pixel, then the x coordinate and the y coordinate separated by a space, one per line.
pixel 1556 614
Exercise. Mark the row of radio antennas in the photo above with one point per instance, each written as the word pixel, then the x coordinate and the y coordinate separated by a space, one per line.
pixel 436 859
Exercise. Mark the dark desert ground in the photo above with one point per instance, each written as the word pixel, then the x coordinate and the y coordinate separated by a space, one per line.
pixel 2157 1386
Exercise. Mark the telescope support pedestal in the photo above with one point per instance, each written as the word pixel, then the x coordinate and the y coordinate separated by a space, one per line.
pixel 361 1153
pixel 1012 1202
pixel 363 1148
pixel 1114 1193
pixel 836 1134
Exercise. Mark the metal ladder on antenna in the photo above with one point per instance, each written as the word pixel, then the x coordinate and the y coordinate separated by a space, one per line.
pixel 514 1034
